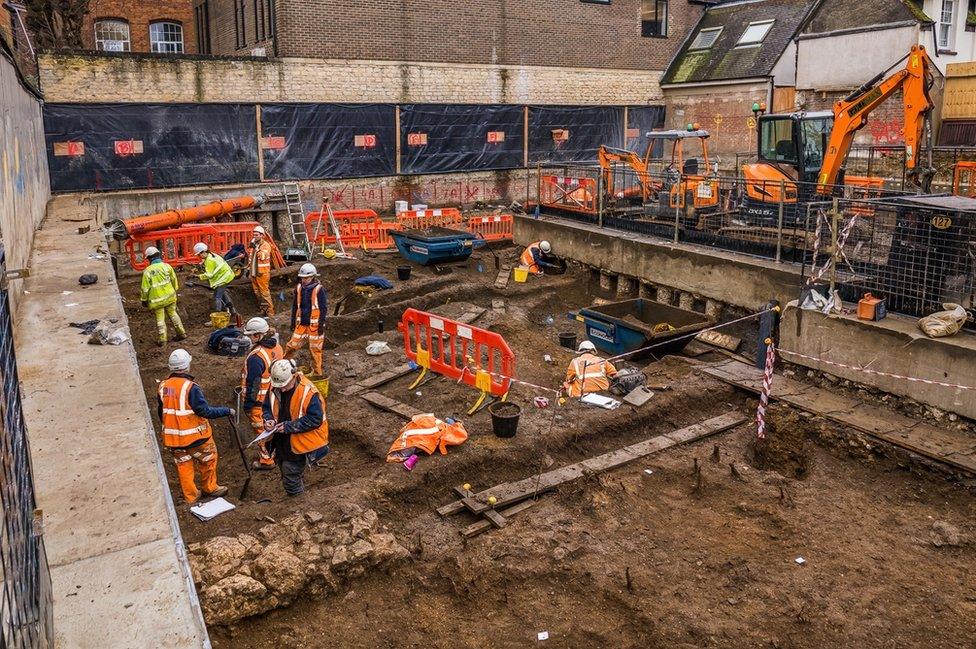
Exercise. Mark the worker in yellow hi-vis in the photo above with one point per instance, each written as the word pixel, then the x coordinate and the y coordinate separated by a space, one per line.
pixel 158 294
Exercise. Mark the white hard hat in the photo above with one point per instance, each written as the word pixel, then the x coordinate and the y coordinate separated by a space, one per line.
pixel 281 372
pixel 307 270
pixel 259 230
pixel 179 360
pixel 151 251
pixel 545 247
pixel 256 326
pixel 585 346
pixel 200 247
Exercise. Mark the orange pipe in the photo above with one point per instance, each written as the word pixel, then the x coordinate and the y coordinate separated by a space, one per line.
pixel 175 218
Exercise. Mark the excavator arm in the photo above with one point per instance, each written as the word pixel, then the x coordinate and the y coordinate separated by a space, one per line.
pixel 851 114
pixel 608 156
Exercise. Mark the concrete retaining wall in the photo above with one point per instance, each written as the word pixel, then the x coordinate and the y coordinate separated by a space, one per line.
pixel 895 345
pixel 710 274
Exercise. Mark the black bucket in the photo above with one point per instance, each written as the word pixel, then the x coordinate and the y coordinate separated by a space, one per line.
pixel 504 418
pixel 568 340
pixel 403 273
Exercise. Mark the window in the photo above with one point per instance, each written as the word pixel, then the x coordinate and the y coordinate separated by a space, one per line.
pixel 203 27
pixel 971 16
pixel 776 140
pixel 166 38
pixel 706 38
pixel 654 17
pixel 112 36
pixel 258 20
pixel 946 33
pixel 755 33
pixel 271 18
pixel 240 36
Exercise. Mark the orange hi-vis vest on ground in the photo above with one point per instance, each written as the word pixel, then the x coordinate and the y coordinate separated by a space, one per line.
pixel 308 441
pixel 426 433
pixel 527 258
pixel 589 373
pixel 269 356
pixel 314 315
pixel 181 426
pixel 261 259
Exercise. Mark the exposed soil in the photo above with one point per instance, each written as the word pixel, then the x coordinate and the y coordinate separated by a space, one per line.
pixel 636 557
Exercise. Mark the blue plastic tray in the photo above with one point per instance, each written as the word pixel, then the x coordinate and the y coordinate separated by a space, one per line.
pixel 434 245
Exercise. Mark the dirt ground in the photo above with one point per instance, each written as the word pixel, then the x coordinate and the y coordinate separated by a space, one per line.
pixel 637 557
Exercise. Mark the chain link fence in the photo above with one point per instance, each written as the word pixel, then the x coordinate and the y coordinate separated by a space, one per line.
pixel 25 601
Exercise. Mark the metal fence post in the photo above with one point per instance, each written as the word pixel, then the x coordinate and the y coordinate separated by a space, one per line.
pixel 677 207
pixel 834 222
pixel 538 181
pixel 779 222
pixel 768 328
pixel 599 198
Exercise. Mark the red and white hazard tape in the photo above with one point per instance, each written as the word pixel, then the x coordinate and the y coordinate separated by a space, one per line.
pixel 767 387
pixel 841 241
pixel 867 370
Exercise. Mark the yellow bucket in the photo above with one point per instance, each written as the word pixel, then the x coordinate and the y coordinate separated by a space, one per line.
pixel 322 385
pixel 520 274
pixel 219 319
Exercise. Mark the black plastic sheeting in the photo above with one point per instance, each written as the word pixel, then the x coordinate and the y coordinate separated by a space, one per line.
pixel 182 144
pixel 641 119
pixel 321 140
pixel 449 137
pixel 588 127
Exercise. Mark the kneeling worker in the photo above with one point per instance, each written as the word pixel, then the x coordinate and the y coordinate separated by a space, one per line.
pixel 537 257
pixel 184 415
pixel 256 380
pixel 295 411
pixel 588 372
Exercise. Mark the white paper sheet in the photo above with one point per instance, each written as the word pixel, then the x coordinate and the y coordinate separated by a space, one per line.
pixel 209 510
pixel 263 436
pixel 600 401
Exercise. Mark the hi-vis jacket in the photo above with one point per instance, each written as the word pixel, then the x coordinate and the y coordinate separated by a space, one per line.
pixel 425 433
pixel 216 271
pixel 183 411
pixel 588 373
pixel 159 285
pixel 308 429
pixel 261 259
pixel 309 306
pixel 256 376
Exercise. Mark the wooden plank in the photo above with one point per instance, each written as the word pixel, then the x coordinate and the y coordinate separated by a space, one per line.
pixel 940 444
pixel 384 402
pixel 513 492
pixel 720 340
pixel 501 280
pixel 483 526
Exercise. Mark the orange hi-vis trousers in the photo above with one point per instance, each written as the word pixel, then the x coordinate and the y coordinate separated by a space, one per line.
pixel 256 415
pixel 315 345
pixel 261 284
pixel 200 459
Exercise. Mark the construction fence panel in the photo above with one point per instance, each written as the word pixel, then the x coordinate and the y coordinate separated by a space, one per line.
pixel 139 146
pixel 321 141
pixel 573 133
pixel 26 603
pixel 451 137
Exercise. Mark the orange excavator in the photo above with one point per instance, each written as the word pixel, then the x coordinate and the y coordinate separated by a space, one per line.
pixel 802 154
pixel 686 184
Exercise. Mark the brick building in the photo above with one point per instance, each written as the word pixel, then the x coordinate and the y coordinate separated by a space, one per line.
pixel 162 26
pixel 620 34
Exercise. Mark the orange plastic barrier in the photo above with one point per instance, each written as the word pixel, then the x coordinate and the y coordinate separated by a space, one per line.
pixel 863 188
pixel 476 357
pixel 568 193
pixel 448 217
pixel 492 228
pixel 176 245
pixel 319 231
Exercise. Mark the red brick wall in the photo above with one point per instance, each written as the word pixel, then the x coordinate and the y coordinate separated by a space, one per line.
pixel 567 33
pixel 139 14
pixel 886 124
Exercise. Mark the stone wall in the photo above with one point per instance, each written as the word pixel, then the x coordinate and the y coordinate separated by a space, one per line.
pixel 24 182
pixel 114 78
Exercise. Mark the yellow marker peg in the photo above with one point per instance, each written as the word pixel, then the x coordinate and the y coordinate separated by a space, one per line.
pixel 492 500
pixel 467 486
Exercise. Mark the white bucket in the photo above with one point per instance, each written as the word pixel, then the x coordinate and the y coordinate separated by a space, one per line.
pixel 400 206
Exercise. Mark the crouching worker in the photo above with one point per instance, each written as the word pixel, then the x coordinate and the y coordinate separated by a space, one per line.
pixel 295 411
pixel 158 294
pixel 256 381
pixel 588 372
pixel 218 274
pixel 538 256
pixel 184 415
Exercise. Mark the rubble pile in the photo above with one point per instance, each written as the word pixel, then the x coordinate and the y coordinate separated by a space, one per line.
pixel 303 555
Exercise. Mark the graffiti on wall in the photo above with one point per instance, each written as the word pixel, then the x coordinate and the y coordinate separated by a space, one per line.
pixel 381 194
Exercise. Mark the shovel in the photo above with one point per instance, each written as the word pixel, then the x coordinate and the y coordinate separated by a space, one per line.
pixel 240 448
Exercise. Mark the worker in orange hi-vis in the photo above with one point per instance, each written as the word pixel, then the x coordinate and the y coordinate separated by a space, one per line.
pixel 261 270
pixel 588 372
pixel 308 317
pixel 537 256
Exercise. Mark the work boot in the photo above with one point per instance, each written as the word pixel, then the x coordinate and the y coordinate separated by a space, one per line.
pixel 219 491
pixel 160 342
pixel 180 336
